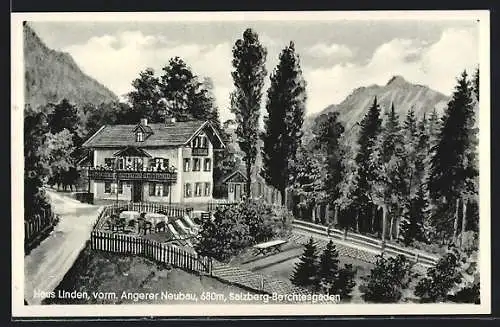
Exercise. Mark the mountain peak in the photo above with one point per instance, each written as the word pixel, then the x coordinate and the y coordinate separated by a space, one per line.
pixel 397 80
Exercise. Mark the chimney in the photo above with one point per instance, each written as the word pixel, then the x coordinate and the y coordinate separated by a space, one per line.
pixel 144 121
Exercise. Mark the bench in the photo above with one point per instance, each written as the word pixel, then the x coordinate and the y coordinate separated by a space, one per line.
pixel 267 247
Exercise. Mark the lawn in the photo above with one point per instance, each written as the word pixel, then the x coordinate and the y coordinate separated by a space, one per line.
pixel 112 274
pixel 282 266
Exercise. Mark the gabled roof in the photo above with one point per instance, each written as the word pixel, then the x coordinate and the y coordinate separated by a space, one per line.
pixel 168 135
pixel 234 175
pixel 131 151
pixel 145 128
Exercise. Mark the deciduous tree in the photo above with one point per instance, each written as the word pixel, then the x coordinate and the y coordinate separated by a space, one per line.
pixel 249 57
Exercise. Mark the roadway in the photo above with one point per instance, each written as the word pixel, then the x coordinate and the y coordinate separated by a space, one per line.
pixel 46 265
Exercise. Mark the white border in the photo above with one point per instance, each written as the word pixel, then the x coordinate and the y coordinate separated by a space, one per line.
pixel 17 187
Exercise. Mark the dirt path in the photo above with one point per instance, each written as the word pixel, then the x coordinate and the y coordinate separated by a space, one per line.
pixel 47 264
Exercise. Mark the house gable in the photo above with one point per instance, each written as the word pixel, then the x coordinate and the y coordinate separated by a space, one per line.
pixel 235 177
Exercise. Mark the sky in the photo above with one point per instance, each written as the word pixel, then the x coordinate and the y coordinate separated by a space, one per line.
pixel 336 56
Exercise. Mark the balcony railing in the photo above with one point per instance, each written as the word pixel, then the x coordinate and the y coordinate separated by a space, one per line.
pixel 199 152
pixel 131 175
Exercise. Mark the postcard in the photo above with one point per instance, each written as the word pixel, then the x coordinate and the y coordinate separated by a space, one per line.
pixel 250 163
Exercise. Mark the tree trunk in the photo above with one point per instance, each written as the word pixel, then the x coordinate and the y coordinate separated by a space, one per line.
pixel 327 214
pixel 345 232
pixel 464 221
pixel 249 178
pixel 384 223
pixel 313 213
pixel 357 222
pixel 391 228
pixel 398 223
pixel 283 197
pixel 455 223
pixel 336 216
pixel 374 212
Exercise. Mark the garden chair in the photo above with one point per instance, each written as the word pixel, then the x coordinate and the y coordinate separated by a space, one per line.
pixel 120 224
pixel 160 226
pixel 131 224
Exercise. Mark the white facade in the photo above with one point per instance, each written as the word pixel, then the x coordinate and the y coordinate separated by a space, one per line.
pixel 193 183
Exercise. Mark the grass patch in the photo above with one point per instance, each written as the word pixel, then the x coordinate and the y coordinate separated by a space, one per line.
pixel 110 273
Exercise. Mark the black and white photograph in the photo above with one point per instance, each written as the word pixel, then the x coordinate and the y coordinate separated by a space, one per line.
pixel 250 163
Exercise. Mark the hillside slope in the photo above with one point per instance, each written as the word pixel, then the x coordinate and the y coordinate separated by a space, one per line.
pixel 51 76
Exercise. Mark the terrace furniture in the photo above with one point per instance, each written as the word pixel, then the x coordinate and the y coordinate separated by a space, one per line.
pixel 160 226
pixel 131 224
pixel 269 247
pixel 120 223
pixel 189 222
pixel 130 215
pixel 145 226
pixel 181 226
pixel 155 218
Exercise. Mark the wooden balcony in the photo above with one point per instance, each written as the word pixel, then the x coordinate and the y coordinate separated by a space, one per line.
pixel 131 175
pixel 199 151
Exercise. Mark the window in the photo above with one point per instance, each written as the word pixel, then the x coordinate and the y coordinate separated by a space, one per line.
pixel 208 165
pixel 158 163
pixel 119 164
pixel 139 136
pixel 120 188
pixel 151 189
pixel 200 142
pixel 109 162
pixel 196 164
pixel 187 164
pixel 187 190
pixel 107 187
pixel 134 163
pixel 159 190
pixel 197 189
pixel 231 187
pixel 207 189
pixel 166 189
pixel 114 188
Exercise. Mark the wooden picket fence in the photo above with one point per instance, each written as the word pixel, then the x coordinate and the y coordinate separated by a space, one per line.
pixel 213 205
pixel 37 227
pixel 153 250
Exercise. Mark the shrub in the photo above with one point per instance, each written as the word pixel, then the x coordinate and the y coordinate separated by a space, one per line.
pixel 440 279
pixel 468 294
pixel 306 268
pixel 387 280
pixel 345 282
pixel 237 227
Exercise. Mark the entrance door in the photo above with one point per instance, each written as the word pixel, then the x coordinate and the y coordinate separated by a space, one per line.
pixel 136 192
pixel 237 192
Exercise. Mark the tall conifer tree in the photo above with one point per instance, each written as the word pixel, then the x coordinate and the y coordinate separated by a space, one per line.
pixel 283 124
pixel 452 164
pixel 370 128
